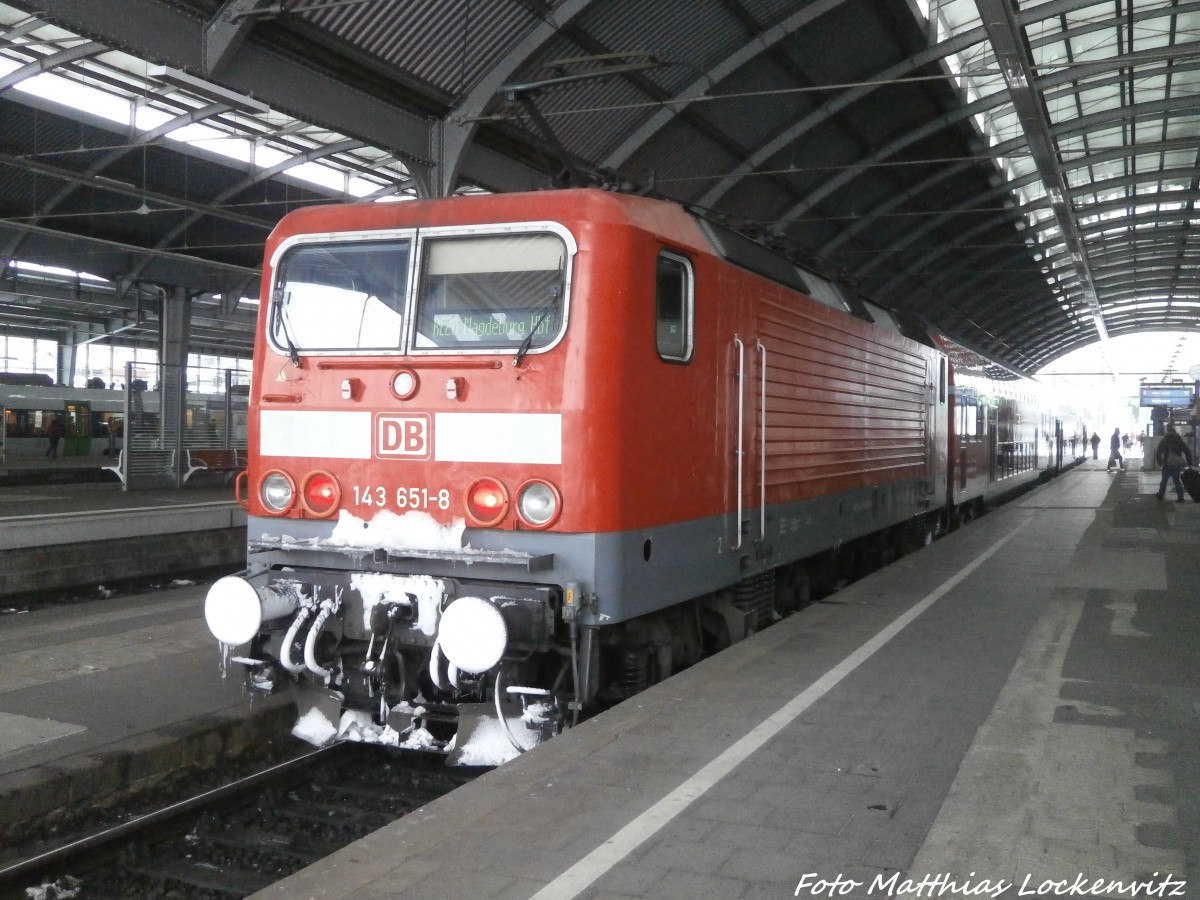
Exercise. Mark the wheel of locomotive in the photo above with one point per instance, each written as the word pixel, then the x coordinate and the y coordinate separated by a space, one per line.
pixel 803 587
pixel 822 572
pixel 917 534
pixel 943 524
pixel 793 589
pixel 883 549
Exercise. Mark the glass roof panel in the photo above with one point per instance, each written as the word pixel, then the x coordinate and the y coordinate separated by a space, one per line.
pixel 1112 136
pixel 960 15
pixel 120 88
pixel 1182 126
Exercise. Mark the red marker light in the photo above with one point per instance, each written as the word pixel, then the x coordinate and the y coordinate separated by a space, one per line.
pixel 321 494
pixel 487 501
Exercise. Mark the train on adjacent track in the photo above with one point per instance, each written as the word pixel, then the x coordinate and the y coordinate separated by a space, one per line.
pixel 91 419
pixel 517 456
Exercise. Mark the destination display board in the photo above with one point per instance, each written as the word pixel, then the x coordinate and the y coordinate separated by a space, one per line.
pixel 1168 394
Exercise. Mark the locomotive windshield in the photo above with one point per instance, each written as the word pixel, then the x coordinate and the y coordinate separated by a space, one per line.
pixel 345 296
pixel 491 292
pixel 474 292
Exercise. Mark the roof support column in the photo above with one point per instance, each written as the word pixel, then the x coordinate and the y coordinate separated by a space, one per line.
pixel 174 328
pixel 174 337
pixel 65 364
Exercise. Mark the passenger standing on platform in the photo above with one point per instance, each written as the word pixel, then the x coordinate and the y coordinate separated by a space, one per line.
pixel 53 433
pixel 1114 451
pixel 1174 456
pixel 1095 445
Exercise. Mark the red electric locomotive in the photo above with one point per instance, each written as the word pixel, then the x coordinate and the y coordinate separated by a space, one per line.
pixel 515 455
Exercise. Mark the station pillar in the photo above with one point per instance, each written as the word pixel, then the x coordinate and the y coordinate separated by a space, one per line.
pixel 174 337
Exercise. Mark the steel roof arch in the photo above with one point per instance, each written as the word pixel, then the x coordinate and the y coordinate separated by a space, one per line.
pixel 987 236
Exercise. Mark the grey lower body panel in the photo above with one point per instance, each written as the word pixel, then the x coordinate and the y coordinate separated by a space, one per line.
pixel 629 574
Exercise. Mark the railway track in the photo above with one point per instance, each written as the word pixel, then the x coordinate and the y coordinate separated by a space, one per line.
pixel 240 838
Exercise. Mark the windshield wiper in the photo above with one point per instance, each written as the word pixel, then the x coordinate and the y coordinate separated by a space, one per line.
pixel 281 320
pixel 550 306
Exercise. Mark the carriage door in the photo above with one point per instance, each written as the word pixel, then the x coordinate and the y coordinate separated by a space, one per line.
pixel 77 430
pixel 991 439
pixel 935 406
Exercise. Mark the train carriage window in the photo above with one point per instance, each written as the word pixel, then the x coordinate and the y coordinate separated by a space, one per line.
pixel 674 304
pixel 491 292
pixel 341 296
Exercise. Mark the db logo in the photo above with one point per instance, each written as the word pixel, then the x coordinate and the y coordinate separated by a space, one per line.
pixel 405 437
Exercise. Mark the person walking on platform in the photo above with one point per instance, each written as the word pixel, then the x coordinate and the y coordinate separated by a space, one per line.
pixel 1174 456
pixel 53 433
pixel 1114 451
pixel 1095 445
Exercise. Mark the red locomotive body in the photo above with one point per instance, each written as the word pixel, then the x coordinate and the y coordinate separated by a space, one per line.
pixel 512 455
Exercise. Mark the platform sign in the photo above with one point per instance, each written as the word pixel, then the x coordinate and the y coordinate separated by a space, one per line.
pixel 1172 395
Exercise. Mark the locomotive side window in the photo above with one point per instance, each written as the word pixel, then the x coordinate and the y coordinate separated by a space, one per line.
pixel 341 296
pixel 674 307
pixel 491 292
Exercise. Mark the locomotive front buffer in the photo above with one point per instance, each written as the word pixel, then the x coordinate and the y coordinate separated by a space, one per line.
pixel 413 661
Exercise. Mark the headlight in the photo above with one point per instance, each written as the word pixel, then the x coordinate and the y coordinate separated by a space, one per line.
pixel 277 492
pixel 404 384
pixel 538 504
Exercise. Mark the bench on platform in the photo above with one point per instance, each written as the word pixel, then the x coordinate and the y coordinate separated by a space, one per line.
pixel 118 467
pixel 205 459
pixel 144 462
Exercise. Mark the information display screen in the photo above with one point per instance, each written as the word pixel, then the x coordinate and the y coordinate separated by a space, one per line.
pixel 1167 394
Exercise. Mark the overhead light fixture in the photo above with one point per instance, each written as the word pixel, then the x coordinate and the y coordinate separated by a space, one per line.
pixel 1013 74
pixel 181 79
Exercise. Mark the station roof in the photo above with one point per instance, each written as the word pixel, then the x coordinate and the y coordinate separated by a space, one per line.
pixel 1025 177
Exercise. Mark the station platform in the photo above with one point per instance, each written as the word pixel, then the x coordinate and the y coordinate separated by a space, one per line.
pixel 38 470
pixel 1018 703
pixel 59 532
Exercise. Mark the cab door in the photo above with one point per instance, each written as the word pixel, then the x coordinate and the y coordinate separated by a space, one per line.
pixel 750 444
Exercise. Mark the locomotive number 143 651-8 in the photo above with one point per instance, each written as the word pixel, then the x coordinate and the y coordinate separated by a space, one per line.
pixel 418 498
